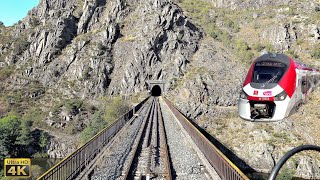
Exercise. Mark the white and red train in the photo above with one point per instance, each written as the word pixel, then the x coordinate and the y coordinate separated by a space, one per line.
pixel 275 86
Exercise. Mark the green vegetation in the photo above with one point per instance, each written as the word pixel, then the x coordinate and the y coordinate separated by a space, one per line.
pixel 20 45
pixel 199 11
pixel 74 105
pixel 5 72
pixel 243 50
pixel 285 174
pixel 258 47
pixel 43 139
pixel 9 132
pixel 292 54
pixel 97 123
pixel 16 136
pixel 35 115
pixel 316 53
pixel 240 30
pixel 115 107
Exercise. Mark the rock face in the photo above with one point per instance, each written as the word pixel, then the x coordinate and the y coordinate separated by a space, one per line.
pixel 76 51
pixel 211 70
pixel 258 4
pixel 156 44
pixel 89 48
pixel 308 167
pixel 60 146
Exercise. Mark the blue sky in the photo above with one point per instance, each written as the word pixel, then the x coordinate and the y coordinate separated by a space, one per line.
pixel 11 11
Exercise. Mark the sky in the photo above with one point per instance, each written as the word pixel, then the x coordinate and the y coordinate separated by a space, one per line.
pixel 11 11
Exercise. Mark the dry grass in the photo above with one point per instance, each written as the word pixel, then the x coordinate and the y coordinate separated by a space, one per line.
pixel 307 120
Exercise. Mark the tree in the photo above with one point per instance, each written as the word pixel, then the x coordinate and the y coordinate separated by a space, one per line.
pixel 9 131
pixel 25 137
pixel 43 139
pixel 96 124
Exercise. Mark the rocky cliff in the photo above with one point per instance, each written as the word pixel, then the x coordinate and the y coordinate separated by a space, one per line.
pixel 59 61
pixel 86 49
pixel 74 46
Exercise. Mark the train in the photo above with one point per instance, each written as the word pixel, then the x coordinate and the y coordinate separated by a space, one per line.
pixel 275 87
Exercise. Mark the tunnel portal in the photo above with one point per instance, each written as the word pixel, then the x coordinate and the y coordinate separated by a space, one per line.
pixel 156 90
pixel 156 87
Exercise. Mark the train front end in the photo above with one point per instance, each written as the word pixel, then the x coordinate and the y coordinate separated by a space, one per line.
pixel 268 88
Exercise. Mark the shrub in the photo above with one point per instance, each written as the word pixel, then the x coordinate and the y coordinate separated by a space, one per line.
pixel 5 73
pixel 292 54
pixel 232 25
pixel 316 53
pixel 97 123
pixel 20 45
pixel 74 105
pixel 43 142
pixel 258 47
pixel 270 48
pixel 286 173
pixel 34 114
pixel 115 108
pixel 243 50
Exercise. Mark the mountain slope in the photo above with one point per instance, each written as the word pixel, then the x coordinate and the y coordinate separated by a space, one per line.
pixel 78 51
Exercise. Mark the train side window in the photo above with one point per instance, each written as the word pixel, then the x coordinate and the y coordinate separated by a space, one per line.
pixel 304 86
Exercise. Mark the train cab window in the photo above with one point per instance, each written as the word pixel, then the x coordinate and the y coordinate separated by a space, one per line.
pixel 270 72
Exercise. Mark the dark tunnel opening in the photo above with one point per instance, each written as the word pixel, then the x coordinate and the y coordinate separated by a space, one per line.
pixel 156 91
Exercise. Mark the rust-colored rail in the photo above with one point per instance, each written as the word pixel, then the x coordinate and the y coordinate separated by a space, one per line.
pixel 223 166
pixel 71 166
pixel 128 174
pixel 144 139
pixel 165 148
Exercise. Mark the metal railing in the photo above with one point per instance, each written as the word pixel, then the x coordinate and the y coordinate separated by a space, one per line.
pixel 76 162
pixel 223 166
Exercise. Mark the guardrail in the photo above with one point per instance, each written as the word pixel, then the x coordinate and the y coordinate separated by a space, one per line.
pixel 75 163
pixel 223 166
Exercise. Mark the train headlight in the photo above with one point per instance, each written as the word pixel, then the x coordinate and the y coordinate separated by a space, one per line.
pixel 281 96
pixel 243 95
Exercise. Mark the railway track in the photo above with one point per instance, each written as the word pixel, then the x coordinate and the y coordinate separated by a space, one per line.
pixel 152 141
pixel 147 154
pixel 150 157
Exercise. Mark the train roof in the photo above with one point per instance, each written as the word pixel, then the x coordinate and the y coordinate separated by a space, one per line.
pixel 284 59
pixel 274 57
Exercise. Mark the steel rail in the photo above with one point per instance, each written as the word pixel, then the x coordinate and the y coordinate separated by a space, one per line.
pixel 223 166
pixel 128 172
pixel 149 139
pixel 165 145
pixel 76 162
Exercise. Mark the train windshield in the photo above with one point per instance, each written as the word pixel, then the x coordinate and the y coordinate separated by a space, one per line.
pixel 268 72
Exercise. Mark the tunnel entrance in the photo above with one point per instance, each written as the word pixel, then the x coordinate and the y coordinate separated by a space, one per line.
pixel 156 90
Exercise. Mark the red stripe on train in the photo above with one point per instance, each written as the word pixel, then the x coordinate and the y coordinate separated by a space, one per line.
pixel 253 98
